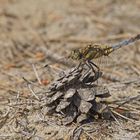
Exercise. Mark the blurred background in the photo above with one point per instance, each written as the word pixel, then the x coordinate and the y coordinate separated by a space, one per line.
pixel 34 33
pixel 43 31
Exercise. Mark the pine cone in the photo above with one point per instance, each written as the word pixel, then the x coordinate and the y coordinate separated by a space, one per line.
pixel 73 95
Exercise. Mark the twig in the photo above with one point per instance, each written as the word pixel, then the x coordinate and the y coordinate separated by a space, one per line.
pixel 29 86
pixel 128 100
pixel 88 134
pixel 17 97
pixel 36 74
pixel 32 83
pixel 115 118
pixel 122 116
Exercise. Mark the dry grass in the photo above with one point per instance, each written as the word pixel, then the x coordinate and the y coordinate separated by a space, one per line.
pixel 38 32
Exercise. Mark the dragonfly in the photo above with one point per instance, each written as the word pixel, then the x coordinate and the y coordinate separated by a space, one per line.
pixel 86 54
pixel 94 51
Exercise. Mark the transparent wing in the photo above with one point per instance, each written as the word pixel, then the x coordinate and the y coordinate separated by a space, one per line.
pixel 107 66
pixel 113 69
pixel 101 62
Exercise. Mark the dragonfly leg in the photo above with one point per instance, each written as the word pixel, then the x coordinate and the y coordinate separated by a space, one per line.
pixel 90 67
pixel 92 64
pixel 97 73
pixel 79 65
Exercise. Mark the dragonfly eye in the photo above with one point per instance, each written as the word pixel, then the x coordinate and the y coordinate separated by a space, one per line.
pixel 76 55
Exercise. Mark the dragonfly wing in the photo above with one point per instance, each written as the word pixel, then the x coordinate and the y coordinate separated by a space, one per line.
pixel 101 62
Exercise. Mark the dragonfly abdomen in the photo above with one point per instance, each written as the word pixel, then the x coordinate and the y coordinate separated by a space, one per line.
pixel 126 42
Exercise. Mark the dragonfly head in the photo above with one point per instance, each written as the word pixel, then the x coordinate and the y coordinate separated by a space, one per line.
pixel 76 55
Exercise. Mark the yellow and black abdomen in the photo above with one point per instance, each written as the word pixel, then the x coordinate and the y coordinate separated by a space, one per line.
pixel 108 50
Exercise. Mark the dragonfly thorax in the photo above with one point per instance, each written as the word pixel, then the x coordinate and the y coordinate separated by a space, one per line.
pixel 94 51
pixel 91 52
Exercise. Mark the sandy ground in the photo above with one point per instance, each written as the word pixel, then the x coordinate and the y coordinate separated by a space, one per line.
pixel 42 31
